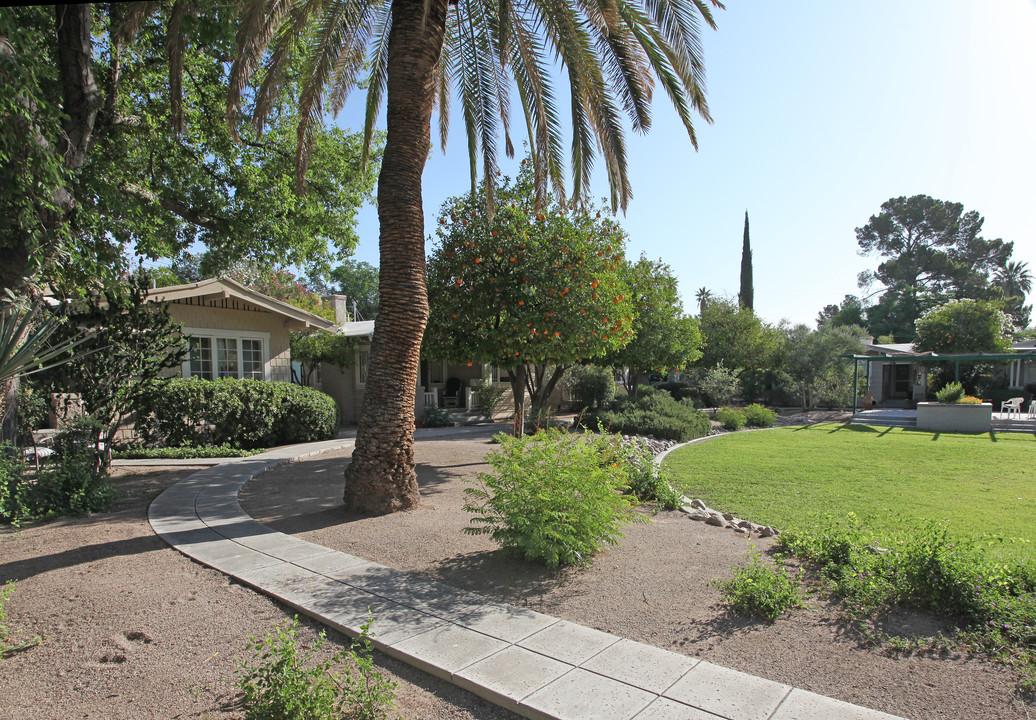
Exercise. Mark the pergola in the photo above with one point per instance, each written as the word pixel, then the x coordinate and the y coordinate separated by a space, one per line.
pixel 930 358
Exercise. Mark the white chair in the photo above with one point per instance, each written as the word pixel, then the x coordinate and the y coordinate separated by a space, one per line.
pixel 1014 405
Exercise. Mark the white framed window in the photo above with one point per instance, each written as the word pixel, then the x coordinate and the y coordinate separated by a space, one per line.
pixel 226 354
pixel 363 358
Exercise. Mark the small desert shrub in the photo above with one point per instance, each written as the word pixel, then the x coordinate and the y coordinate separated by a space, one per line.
pixel 730 418
pixel 758 589
pixel 554 497
pixel 591 386
pixel 950 393
pixel 180 453
pixel 284 681
pixel 759 416
pixel 489 396
pixel 15 487
pixel 718 385
pixel 652 413
pixel 436 417
pixel 647 481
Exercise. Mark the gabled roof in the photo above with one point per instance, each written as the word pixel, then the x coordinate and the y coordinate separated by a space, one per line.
pixel 890 348
pixel 213 292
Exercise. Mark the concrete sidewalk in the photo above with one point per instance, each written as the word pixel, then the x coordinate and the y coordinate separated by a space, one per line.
pixel 533 664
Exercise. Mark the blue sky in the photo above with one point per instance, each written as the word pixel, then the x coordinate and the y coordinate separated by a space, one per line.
pixel 822 111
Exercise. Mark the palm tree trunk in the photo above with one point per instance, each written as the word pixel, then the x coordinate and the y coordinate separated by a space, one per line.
pixel 381 477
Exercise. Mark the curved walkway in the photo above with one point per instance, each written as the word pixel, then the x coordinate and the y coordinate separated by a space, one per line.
pixel 533 664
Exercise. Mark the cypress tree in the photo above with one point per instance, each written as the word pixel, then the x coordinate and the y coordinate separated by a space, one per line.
pixel 746 298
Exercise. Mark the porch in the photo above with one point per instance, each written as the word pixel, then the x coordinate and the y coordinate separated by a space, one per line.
pixel 904 418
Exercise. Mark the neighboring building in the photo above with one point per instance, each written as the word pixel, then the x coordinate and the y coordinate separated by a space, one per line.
pixel 1022 372
pixel 234 331
pixel 896 379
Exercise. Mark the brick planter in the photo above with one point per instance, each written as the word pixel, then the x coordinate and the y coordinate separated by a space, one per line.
pixel 954 417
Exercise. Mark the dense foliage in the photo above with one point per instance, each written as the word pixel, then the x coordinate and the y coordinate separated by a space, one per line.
pixel 244 414
pixel 814 370
pixel 553 497
pixel 737 338
pixel 652 413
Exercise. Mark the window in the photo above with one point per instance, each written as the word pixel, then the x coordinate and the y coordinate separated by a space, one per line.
pixel 226 355
pixel 363 358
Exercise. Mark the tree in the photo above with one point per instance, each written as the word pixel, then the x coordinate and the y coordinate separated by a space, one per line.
pixel 964 326
pixel 358 281
pixel 813 367
pixel 746 298
pixel 416 51
pixel 1015 281
pixel 131 341
pixel 735 337
pixel 531 290
pixel 703 297
pixel 124 105
pixel 849 312
pixel 664 339
pixel 933 252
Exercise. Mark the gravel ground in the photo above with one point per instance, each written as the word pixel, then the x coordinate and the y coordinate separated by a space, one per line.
pixel 131 629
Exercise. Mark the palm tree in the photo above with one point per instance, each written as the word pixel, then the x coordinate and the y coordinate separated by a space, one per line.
pixel 1014 278
pixel 703 297
pixel 416 53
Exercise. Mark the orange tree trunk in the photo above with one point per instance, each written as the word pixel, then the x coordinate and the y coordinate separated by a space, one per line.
pixel 381 477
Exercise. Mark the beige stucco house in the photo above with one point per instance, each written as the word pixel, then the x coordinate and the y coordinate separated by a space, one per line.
pixel 233 331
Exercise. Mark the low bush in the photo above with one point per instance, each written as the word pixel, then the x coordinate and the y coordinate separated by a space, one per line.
pixel 651 413
pixel 759 416
pixel 554 497
pixel 75 482
pixel 489 396
pixel 284 681
pixel 245 414
pixel 592 387
pixel 436 417
pixel 678 389
pixel 181 453
pixel 730 418
pixel 924 567
pixel 950 393
pixel 761 590
pixel 647 481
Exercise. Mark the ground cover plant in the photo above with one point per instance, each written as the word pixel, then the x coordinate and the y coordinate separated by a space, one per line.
pixel 553 497
pixel 893 518
pixel 730 418
pixel 760 589
pixel 181 453
pixel 282 680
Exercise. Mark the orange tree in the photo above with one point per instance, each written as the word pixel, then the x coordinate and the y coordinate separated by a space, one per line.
pixel 534 291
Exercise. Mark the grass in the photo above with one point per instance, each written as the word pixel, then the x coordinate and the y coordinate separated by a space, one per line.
pixel 979 485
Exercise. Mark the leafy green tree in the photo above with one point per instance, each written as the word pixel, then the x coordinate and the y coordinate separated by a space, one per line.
pixel 140 154
pixel 813 367
pixel 932 251
pixel 526 289
pixel 747 295
pixel 309 349
pixel 849 312
pixel 964 326
pixel 415 54
pixel 131 341
pixel 737 338
pixel 358 281
pixel 664 339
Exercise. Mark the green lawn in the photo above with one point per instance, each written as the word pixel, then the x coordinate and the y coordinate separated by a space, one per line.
pixel 978 484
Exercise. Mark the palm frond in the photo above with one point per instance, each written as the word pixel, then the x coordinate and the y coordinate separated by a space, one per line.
pixel 175 47
pixel 376 77
pixel 260 21
pixel 135 15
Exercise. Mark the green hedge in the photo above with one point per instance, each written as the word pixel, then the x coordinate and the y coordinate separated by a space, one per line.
pixel 244 414
pixel 652 413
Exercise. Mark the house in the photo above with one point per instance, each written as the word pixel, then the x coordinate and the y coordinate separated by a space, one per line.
pixel 1022 372
pixel 897 379
pixel 233 331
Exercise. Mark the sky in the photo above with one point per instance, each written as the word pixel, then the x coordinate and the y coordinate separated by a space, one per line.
pixel 821 112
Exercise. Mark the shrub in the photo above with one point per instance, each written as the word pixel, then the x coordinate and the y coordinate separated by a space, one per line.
pixel 719 385
pixel 759 416
pixel 647 481
pixel 951 393
pixel 78 483
pixel 591 386
pixel 32 410
pixel 553 497
pixel 181 453
pixel 242 413
pixel 489 396
pixel 436 417
pixel 678 389
pixel 757 589
pixel 15 503
pixel 730 418
pixel 284 681
pixel 652 413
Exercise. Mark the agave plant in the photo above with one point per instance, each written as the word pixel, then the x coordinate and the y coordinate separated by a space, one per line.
pixel 23 341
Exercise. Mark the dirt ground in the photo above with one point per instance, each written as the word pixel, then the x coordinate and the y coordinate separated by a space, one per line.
pixel 130 628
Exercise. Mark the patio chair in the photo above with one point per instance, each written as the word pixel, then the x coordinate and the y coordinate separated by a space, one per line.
pixel 1014 405
pixel 451 393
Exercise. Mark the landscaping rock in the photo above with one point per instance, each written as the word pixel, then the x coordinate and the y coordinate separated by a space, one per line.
pixel 716 519
pixel 699 504
pixel 697 514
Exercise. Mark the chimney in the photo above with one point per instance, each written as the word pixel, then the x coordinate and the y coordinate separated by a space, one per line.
pixel 341 305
